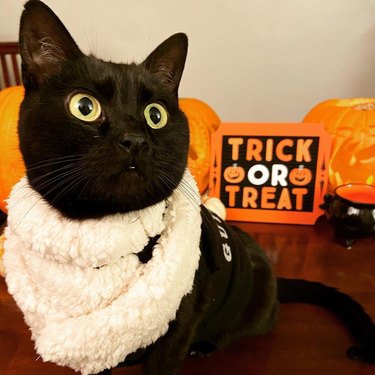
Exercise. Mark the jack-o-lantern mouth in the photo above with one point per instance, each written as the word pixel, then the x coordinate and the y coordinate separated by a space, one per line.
pixel 300 179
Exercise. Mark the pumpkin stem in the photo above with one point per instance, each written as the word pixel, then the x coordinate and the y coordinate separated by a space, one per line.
pixel 365 107
pixel 356 102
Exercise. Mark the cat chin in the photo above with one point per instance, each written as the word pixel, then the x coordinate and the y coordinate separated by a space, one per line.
pixel 84 210
pixel 97 207
pixel 133 175
pixel 127 191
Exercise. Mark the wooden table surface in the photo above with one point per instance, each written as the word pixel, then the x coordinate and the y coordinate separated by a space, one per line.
pixel 308 340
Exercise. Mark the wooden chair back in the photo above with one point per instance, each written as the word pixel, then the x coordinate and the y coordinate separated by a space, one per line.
pixel 10 64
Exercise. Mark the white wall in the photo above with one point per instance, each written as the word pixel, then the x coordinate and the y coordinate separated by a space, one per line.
pixel 259 60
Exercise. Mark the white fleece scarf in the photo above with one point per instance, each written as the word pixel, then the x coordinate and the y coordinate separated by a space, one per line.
pixel 87 298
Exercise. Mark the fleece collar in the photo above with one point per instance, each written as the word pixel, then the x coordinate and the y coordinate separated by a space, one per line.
pixel 86 296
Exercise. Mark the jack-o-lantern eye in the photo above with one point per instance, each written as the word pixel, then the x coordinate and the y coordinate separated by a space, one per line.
pixel 156 116
pixel 300 176
pixel 85 107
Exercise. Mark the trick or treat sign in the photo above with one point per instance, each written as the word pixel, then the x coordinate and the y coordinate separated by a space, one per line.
pixel 270 172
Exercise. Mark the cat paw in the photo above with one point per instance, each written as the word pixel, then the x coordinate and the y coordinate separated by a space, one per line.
pixel 215 205
pixel 364 353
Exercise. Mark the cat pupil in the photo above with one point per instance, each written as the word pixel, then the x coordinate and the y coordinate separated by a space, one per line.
pixel 155 115
pixel 85 106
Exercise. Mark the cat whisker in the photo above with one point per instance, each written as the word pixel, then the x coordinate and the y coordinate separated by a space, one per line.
pixel 27 212
pixel 84 187
pixel 75 182
pixel 52 162
pixel 61 176
pixel 194 199
pixel 63 179
pixel 171 164
pixel 59 173
pixel 70 187
pixel 183 188
pixel 56 158
pixel 60 179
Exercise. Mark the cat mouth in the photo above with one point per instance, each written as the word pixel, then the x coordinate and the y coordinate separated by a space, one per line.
pixel 133 171
pixel 132 167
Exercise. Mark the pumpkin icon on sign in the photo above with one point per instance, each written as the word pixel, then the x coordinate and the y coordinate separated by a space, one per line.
pixel 234 174
pixel 300 176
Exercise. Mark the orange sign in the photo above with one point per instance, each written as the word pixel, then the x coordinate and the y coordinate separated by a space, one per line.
pixel 270 172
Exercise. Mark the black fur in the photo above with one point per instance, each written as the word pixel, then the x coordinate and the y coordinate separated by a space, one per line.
pixel 117 164
pixel 82 168
pixel 2 218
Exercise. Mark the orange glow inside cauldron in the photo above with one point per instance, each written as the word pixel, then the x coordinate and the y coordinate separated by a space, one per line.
pixel 358 193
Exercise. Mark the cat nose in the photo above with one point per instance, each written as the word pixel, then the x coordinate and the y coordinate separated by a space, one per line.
pixel 132 142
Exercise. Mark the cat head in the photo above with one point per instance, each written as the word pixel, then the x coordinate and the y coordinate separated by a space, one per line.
pixel 98 137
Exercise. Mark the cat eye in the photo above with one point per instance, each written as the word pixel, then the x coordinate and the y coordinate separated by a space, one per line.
pixel 156 116
pixel 85 107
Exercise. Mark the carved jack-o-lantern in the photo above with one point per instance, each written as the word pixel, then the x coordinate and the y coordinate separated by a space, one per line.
pixel 234 174
pixel 351 122
pixel 300 176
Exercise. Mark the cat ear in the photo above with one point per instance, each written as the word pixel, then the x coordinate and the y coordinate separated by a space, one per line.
pixel 45 43
pixel 167 61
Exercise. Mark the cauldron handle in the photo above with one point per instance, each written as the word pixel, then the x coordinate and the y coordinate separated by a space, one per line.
pixel 328 198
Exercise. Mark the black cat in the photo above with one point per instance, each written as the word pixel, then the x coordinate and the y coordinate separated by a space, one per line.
pixel 101 139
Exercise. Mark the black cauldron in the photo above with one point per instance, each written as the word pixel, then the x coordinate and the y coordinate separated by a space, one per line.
pixel 351 211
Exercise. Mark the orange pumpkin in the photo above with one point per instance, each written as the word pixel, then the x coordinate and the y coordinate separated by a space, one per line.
pixel 351 123
pixel 300 176
pixel 11 164
pixel 234 174
pixel 203 121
